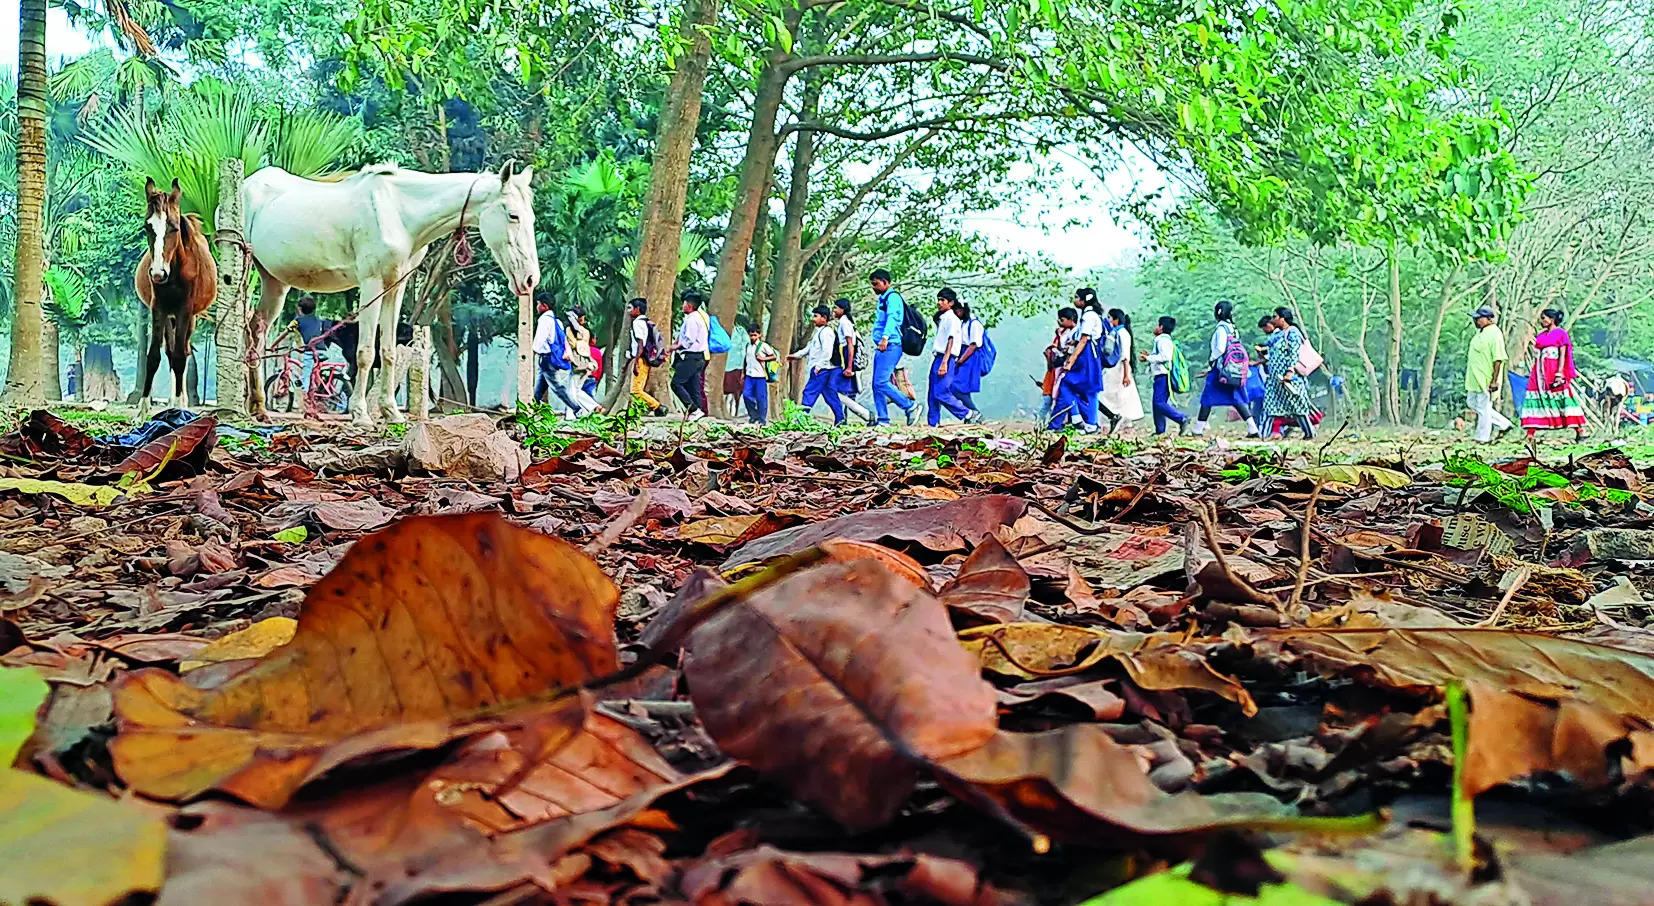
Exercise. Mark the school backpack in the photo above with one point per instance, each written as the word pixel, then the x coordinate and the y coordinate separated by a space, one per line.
pixel 654 351
pixel 1231 369
pixel 717 338
pixel 986 355
pixel 1179 376
pixel 1108 347
pixel 914 330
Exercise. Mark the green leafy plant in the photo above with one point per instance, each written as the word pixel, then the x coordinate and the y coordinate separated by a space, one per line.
pixel 1516 491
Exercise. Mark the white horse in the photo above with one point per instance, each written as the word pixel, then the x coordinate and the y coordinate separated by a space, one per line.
pixel 370 230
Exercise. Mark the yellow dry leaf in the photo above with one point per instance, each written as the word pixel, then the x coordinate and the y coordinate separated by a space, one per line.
pixel 62 846
pixel 78 494
pixel 256 640
pixel 1341 473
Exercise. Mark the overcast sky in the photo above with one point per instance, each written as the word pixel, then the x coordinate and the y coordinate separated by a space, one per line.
pixel 1047 224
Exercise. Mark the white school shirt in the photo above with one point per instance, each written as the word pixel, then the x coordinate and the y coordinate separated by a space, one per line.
pixel 819 354
pixel 692 336
pixel 1160 360
pixel 974 333
pixel 640 335
pixel 1091 324
pixel 755 368
pixel 947 329
pixel 544 332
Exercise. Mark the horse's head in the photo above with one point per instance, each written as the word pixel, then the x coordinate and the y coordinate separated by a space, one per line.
pixel 163 224
pixel 507 226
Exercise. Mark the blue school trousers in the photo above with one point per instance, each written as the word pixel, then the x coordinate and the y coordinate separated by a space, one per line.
pixel 755 392
pixel 1163 408
pixel 941 396
pixel 822 385
pixel 884 389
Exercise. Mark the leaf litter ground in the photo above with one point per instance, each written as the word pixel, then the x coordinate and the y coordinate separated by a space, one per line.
pixel 739 668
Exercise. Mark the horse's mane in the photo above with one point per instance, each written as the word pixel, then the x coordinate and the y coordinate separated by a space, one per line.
pixel 386 168
pixel 193 222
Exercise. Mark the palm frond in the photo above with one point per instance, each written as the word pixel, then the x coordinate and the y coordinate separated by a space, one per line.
pixel 691 248
pixel 311 144
pixel 68 303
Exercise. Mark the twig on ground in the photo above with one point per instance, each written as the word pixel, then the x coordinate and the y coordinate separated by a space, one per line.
pixel 619 525
pixel 1208 525
pixel 1518 579
pixel 1101 529
pixel 1322 452
pixel 1297 598
pixel 1141 492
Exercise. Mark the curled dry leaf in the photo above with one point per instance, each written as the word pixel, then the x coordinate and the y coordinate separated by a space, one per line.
pixel 418 629
pixel 941 527
pixel 990 588
pixel 187 447
pixel 1077 784
pixel 1538 703
pixel 834 682
pixel 1152 660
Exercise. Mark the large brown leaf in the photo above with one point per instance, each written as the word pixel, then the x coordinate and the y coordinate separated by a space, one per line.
pixel 187 446
pixel 947 526
pixel 990 588
pixel 766 876
pixel 1077 784
pixel 1538 703
pixel 1161 661
pixel 837 680
pixel 419 628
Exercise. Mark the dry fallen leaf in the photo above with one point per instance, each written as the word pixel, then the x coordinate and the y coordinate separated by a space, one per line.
pixel 940 527
pixel 1152 660
pixel 834 682
pixel 256 640
pixel 1545 703
pixel 990 588
pixel 1076 783
pixel 417 629
pixel 63 846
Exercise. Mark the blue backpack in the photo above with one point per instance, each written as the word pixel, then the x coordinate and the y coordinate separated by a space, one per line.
pixel 986 355
pixel 717 338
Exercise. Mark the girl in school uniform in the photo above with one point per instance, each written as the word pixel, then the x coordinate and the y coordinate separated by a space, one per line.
pixel 848 382
pixel 968 381
pixel 1081 376
pixel 944 351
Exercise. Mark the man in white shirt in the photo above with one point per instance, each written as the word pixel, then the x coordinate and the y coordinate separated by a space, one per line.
pixel 1160 367
pixel 551 348
pixel 818 365
pixel 949 342
pixel 689 368
pixel 636 309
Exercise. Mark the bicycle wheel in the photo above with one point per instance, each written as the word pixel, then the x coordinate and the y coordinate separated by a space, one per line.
pixel 340 401
pixel 279 393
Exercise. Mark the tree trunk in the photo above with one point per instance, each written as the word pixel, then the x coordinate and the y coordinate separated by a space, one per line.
pixel 656 275
pixel 239 389
pixel 24 386
pixel 98 380
pixel 1428 377
pixel 51 361
pixel 447 355
pixel 473 348
pixel 142 320
pixel 763 250
pixel 756 165
pixel 789 271
pixel 1367 360
pixel 1392 368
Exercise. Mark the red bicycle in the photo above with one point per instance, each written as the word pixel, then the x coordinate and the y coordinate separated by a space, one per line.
pixel 329 385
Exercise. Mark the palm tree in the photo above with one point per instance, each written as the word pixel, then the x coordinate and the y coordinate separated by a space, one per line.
pixel 23 383
pixel 216 121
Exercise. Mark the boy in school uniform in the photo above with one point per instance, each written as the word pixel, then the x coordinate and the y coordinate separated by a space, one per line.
pixel 755 382
pixel 1160 366
pixel 818 364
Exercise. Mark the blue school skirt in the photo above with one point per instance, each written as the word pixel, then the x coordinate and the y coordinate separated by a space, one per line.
pixel 1218 393
pixel 967 376
pixel 1087 374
